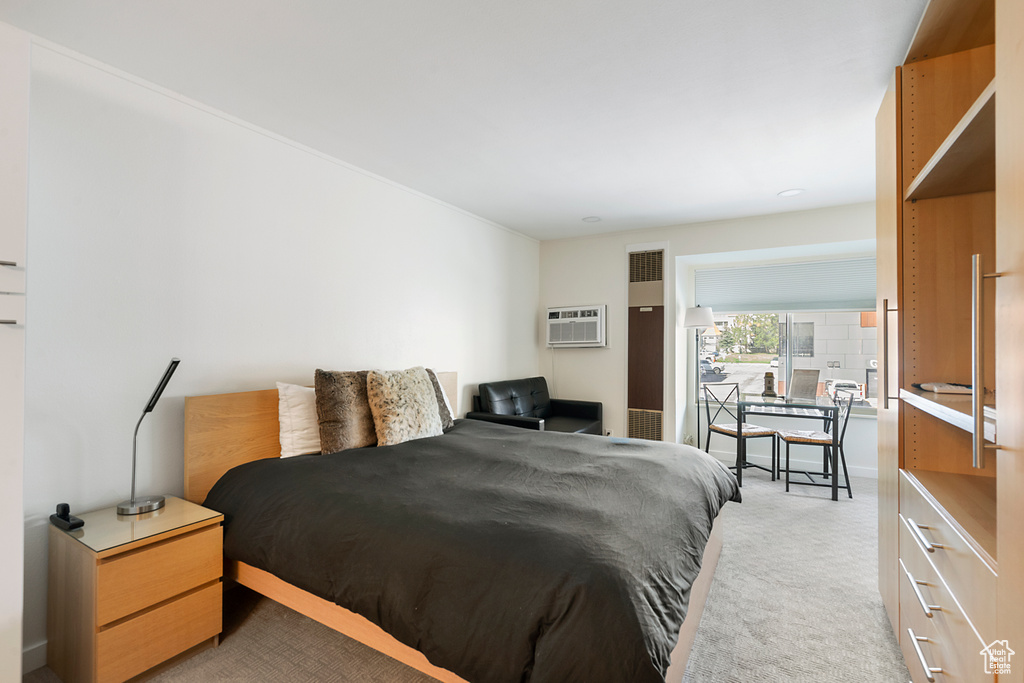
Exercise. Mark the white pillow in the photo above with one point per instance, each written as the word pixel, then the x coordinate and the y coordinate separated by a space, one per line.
pixel 296 410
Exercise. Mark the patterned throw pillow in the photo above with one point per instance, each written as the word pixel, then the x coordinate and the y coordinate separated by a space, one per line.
pixel 444 408
pixel 403 404
pixel 343 412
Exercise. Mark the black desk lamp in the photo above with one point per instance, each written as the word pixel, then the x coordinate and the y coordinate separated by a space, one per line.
pixel 137 506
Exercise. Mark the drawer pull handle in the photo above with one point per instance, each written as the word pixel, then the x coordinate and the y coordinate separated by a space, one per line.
pixel 885 351
pixel 915 528
pixel 8 322
pixel 12 264
pixel 914 583
pixel 978 444
pixel 916 640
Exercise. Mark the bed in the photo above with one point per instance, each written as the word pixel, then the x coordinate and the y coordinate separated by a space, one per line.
pixel 239 433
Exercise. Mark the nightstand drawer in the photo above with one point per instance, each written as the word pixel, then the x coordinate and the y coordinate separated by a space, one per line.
pixel 146 576
pixel 133 646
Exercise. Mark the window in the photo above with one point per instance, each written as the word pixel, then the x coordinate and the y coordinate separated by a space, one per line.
pixel 841 345
pixel 803 339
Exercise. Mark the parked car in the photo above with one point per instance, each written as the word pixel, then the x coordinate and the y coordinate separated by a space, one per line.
pixel 845 385
pixel 708 367
pixel 774 362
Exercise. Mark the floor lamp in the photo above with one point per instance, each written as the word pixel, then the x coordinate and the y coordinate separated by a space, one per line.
pixel 698 319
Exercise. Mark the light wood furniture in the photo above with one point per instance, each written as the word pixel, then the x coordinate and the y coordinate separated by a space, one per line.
pixel 129 592
pixel 950 152
pixel 226 430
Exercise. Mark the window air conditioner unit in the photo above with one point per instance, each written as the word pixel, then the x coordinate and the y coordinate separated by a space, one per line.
pixel 577 326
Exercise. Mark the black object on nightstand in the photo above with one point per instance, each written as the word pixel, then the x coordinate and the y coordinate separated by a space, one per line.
pixel 63 519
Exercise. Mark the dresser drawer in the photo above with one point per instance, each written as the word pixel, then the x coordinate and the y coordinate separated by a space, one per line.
pixel 144 577
pixel 931 654
pixel 967 576
pixel 12 307
pixel 133 646
pixel 952 643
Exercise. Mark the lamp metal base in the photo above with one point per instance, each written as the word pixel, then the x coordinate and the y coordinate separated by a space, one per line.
pixel 140 505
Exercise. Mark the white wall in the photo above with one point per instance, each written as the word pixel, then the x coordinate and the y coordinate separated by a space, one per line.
pixel 594 270
pixel 160 228
pixel 14 107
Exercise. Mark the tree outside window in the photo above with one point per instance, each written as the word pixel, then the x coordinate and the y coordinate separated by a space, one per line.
pixel 752 333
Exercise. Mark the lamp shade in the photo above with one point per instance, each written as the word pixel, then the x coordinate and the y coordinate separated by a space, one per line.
pixel 698 317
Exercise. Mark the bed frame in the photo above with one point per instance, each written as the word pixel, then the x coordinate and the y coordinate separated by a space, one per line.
pixel 226 430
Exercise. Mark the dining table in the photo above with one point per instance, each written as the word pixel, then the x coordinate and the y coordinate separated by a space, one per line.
pixel 821 408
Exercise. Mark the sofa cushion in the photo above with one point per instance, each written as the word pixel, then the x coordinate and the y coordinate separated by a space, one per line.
pixel 579 425
pixel 528 397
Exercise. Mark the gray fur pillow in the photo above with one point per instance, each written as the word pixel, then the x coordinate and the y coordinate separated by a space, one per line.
pixel 444 408
pixel 403 404
pixel 343 411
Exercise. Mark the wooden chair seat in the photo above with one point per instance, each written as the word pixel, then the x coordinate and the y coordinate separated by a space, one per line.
pixel 805 436
pixel 748 429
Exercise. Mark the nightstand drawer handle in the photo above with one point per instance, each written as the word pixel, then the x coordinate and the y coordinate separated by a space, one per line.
pixel 916 640
pixel 12 264
pixel 914 583
pixel 8 322
pixel 915 529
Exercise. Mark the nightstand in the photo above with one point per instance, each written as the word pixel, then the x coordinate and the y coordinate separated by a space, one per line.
pixel 128 592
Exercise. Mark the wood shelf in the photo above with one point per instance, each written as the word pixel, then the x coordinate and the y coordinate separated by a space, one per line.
pixel 970 503
pixel 965 162
pixel 954 409
pixel 974 22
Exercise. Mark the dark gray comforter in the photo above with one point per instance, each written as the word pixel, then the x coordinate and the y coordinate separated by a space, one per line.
pixel 502 554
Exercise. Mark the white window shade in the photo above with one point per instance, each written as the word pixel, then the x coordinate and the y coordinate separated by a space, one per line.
pixel 846 284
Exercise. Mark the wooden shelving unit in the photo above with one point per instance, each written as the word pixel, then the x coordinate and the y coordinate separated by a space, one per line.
pixel 943 195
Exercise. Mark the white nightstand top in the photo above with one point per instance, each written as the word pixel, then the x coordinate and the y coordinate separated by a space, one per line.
pixel 105 529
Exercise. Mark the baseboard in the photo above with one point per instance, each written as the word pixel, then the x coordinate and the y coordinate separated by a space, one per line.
pixel 795 463
pixel 33 657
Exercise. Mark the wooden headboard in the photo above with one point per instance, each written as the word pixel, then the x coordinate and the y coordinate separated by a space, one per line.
pixel 226 430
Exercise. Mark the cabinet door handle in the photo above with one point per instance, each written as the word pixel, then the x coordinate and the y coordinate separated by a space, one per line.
pixel 885 351
pixel 12 264
pixel 978 445
pixel 8 322
pixel 916 641
pixel 914 583
pixel 915 529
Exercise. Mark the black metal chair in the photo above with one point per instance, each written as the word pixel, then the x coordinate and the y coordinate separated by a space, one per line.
pixel 717 396
pixel 822 439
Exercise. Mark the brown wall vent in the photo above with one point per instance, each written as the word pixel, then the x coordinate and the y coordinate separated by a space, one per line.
pixel 646 266
pixel 644 424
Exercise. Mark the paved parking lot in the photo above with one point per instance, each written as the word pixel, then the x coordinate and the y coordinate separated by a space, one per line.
pixel 750 376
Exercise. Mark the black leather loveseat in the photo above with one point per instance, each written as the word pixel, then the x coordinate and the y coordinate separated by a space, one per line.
pixel 527 403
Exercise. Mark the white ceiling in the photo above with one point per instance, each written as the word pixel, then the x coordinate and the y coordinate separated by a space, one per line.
pixel 535 113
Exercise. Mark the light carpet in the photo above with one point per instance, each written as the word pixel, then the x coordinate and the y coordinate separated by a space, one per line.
pixel 795 598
